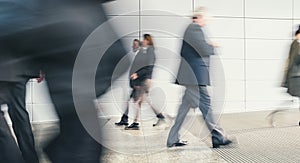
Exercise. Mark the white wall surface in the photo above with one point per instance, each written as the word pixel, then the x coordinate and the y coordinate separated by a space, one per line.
pixel 254 36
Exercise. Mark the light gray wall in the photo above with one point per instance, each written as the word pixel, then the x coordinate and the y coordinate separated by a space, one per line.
pixel 254 36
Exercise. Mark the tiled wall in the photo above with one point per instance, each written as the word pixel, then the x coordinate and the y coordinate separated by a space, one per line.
pixel 254 36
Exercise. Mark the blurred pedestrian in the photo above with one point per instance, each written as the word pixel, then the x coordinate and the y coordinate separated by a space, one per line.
pixel 51 33
pixel 292 72
pixel 136 47
pixel 194 76
pixel 16 102
pixel 140 80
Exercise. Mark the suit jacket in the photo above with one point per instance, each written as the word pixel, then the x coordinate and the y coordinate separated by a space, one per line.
pixel 14 65
pixel 143 65
pixel 195 57
pixel 48 34
pixel 22 40
pixel 292 72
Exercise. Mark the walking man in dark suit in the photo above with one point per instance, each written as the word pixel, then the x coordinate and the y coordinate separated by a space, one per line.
pixel 194 76
pixel 51 33
pixel 15 71
pixel 8 147
pixel 15 100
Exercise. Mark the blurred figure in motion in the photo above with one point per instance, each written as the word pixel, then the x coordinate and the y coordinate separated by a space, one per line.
pixel 292 72
pixel 49 34
pixel 140 80
pixel 194 76
pixel 136 44
pixel 8 147
pixel 136 47
pixel 13 93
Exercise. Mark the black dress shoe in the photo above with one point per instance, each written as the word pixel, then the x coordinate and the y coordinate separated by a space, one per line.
pixel 179 144
pixel 121 123
pixel 133 126
pixel 161 118
pixel 217 143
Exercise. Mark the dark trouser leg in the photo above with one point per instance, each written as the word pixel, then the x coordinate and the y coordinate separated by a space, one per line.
pixel 9 151
pixel 205 107
pixel 8 147
pixel 73 144
pixel 182 112
pixel 21 123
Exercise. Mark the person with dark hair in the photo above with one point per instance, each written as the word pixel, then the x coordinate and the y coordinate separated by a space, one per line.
pixel 136 46
pixel 193 74
pixel 292 72
pixel 140 80
pixel 124 119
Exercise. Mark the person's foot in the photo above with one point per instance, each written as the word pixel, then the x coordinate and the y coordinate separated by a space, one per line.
pixel 217 143
pixel 160 117
pixel 133 126
pixel 121 123
pixel 178 144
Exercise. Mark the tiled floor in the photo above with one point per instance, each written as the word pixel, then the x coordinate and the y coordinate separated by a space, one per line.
pixel 255 140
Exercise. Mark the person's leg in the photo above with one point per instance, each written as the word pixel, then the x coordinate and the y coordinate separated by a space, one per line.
pixel 137 112
pixel 8 148
pixel 124 118
pixel 218 136
pixel 21 123
pixel 9 151
pixel 138 106
pixel 182 112
pixel 158 113
pixel 207 113
pixel 73 143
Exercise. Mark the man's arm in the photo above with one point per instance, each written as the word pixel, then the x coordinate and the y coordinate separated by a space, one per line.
pixel 195 38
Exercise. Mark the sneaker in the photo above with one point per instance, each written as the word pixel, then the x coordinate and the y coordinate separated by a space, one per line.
pixel 133 126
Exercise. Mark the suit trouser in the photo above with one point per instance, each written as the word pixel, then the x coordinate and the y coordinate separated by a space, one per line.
pixel 9 151
pixel 73 144
pixel 21 123
pixel 195 96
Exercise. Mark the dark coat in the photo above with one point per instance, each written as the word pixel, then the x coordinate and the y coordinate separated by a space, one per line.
pixel 143 65
pixel 292 75
pixel 50 33
pixel 195 53
pixel 14 65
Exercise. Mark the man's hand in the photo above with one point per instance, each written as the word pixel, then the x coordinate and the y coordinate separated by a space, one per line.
pixel 134 76
pixel 41 78
pixel 215 45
